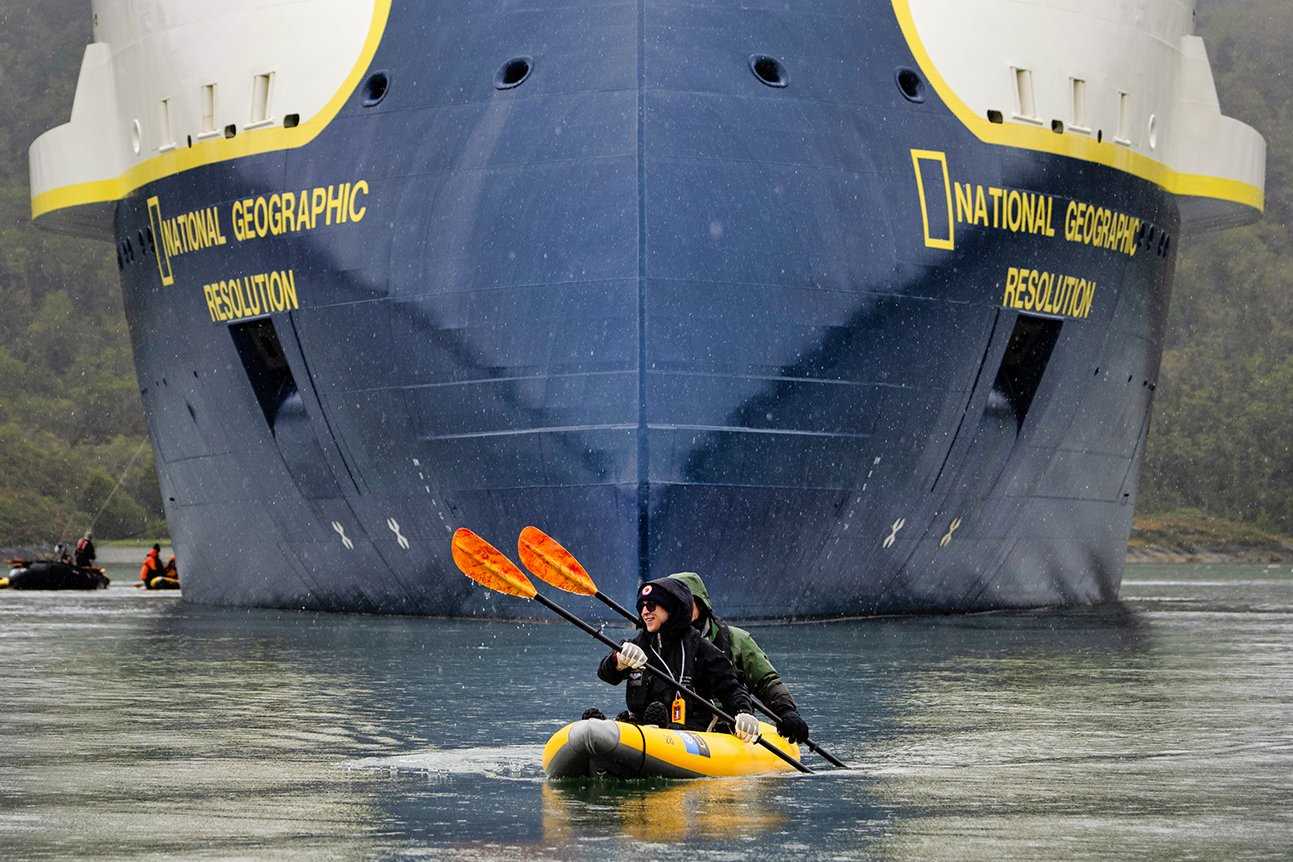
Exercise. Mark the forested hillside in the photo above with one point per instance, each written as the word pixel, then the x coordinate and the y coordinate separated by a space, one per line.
pixel 71 420
pixel 70 416
pixel 1221 439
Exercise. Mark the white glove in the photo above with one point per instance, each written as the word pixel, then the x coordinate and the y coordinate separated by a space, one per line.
pixel 630 656
pixel 747 727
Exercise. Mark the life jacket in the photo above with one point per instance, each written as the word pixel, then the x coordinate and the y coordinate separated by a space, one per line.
pixel 151 568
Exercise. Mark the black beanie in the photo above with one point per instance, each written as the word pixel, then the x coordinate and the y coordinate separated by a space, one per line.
pixel 673 596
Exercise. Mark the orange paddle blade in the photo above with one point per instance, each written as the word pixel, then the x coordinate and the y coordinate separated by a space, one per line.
pixel 553 564
pixel 488 566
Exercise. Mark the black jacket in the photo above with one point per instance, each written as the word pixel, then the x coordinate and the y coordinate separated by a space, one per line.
pixel 704 669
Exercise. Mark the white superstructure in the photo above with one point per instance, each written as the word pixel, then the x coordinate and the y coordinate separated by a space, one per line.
pixel 1121 82
pixel 171 84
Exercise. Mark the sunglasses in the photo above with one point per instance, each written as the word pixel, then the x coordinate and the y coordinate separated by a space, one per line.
pixel 650 605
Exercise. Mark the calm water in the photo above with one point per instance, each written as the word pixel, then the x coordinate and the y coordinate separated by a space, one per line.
pixel 133 725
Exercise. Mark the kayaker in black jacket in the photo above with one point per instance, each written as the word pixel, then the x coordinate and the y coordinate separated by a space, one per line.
pixel 757 674
pixel 670 642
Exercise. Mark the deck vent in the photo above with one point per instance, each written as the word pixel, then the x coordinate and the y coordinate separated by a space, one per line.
pixel 165 125
pixel 513 73
pixel 1025 100
pixel 208 109
pixel 1079 103
pixel 260 92
pixel 1124 119
pixel 375 89
pixel 910 84
pixel 769 70
pixel 291 121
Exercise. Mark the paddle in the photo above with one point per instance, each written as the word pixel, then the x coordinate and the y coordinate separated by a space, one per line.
pixel 489 567
pixel 551 563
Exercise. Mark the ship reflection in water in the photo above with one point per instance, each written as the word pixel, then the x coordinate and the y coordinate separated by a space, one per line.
pixel 1156 728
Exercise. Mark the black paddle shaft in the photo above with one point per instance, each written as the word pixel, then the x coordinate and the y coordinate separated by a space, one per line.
pixel 826 755
pixel 569 617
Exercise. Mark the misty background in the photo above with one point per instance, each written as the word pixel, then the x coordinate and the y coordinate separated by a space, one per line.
pixel 71 419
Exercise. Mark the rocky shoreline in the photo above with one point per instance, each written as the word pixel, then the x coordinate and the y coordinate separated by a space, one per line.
pixel 1192 537
pixel 1177 556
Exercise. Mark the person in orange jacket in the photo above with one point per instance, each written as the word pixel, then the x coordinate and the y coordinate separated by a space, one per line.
pixel 152 567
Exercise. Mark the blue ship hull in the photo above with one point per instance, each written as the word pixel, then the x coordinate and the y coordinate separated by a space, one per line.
pixel 676 317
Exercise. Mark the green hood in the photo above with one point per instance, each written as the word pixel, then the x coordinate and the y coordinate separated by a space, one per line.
pixel 697 587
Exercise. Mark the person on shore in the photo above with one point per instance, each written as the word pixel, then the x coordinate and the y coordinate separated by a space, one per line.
pixel 752 665
pixel 152 567
pixel 679 649
pixel 85 553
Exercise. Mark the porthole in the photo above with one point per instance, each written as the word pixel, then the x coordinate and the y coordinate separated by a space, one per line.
pixel 910 84
pixel 769 70
pixel 376 88
pixel 291 121
pixel 995 117
pixel 231 130
pixel 513 73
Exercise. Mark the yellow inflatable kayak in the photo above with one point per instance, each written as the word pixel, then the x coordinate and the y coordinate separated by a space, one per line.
pixel 598 747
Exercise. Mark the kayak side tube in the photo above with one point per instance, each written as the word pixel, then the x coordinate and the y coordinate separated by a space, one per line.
pixel 599 747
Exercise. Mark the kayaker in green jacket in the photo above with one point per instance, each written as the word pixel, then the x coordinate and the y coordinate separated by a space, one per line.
pixel 751 663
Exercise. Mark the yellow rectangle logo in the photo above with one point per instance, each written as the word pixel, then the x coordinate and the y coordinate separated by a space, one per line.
pixel 933 204
pixel 159 242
